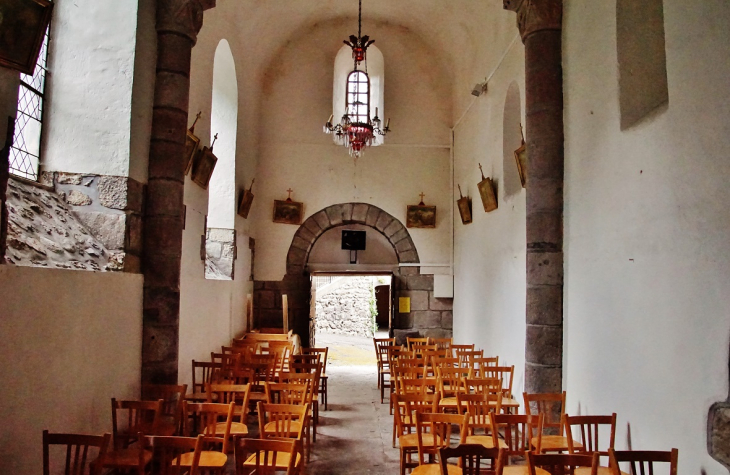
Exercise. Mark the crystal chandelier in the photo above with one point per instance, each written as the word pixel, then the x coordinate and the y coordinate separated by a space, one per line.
pixel 356 130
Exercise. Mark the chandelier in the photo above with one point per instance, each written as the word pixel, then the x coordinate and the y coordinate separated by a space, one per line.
pixel 356 129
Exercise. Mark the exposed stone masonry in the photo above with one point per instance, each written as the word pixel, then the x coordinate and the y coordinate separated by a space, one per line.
pixel 44 232
pixel 343 307
pixel 220 253
pixel 429 316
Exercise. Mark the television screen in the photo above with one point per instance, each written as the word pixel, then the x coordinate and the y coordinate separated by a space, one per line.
pixel 353 240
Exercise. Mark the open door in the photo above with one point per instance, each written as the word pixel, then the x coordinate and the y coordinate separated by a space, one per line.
pixel 312 313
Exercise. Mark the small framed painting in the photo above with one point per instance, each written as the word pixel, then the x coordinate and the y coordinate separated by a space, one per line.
pixel 191 147
pixel 489 197
pixel 23 24
pixel 288 211
pixel 244 206
pixel 521 159
pixel 421 216
pixel 203 167
pixel 464 204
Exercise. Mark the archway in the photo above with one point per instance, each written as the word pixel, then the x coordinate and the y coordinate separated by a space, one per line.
pixel 348 213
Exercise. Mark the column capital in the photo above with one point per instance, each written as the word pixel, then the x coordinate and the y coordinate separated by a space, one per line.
pixel 536 15
pixel 184 17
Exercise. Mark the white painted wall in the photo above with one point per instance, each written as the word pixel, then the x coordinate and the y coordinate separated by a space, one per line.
pixel 92 59
pixel 646 227
pixel 297 98
pixel 72 340
pixel 327 252
pixel 489 257
pixel 224 122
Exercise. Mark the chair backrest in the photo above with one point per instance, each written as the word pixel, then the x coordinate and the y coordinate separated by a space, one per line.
pixel 129 418
pixel 444 362
pixel 407 405
pixel 550 405
pixel 561 464
pixel 323 355
pixel 203 372
pixel 172 396
pixel 505 373
pixel 433 431
pixel 479 407
pixel 282 420
pixel 483 385
pixel 168 451
pixel 518 431
pixel 231 393
pixel 265 452
pixel 383 343
pixel 315 369
pixel 227 362
pixel 482 364
pixel 642 462
pixel 455 349
pixel 395 353
pixel 287 393
pixel 467 358
pixel 283 351
pixel 472 458
pixel 589 429
pixel 451 381
pixel 207 416
pixel 442 343
pixel 410 341
pixel 81 452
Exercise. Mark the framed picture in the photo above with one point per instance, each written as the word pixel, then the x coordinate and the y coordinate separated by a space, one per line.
pixel 203 167
pixel 23 25
pixel 464 204
pixel 288 212
pixel 191 147
pixel 421 216
pixel 244 206
pixel 489 197
pixel 521 159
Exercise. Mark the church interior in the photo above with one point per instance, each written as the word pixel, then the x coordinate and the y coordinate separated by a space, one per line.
pixel 600 269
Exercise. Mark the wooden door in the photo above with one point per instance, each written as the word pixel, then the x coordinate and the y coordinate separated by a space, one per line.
pixel 312 314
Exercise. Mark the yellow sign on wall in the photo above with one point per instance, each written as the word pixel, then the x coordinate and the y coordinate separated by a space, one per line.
pixel 404 304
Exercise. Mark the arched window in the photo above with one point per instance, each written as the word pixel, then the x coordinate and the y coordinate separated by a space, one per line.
pixel 358 96
pixel 347 80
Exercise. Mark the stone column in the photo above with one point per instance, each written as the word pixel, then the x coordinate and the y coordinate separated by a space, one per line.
pixel 540 24
pixel 178 23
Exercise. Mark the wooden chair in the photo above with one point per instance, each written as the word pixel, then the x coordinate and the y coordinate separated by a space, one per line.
pixel 207 417
pixel 467 358
pixel 410 341
pixel 471 459
pixel 172 396
pixel 265 456
pixel 323 376
pixel 479 408
pixel 483 385
pixel 505 373
pixel 450 382
pixel 443 343
pixel 231 393
pixel 293 393
pixel 517 431
pixel 480 365
pixel 434 433
pixel 226 362
pixel 455 349
pixel 381 357
pixel 168 452
pixel 203 373
pixel 283 352
pixel 283 421
pixel 561 464
pixel 316 370
pixel 552 407
pixel 642 461
pixel 142 418
pixel 589 428
pixel 406 406
pixel 81 451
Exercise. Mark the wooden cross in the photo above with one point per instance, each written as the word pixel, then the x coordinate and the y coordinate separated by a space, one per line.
pixel 290 191
pixel 421 195
pixel 215 137
pixel 192 127
pixel 481 171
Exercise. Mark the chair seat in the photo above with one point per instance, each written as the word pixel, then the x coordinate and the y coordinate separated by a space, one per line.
pixel 200 397
pixel 434 469
pixel 587 471
pixel 411 440
pixel 448 402
pixel 208 459
pixel 126 457
pixel 485 440
pixel 282 459
pixel 237 428
pixel 554 443
pixel 522 470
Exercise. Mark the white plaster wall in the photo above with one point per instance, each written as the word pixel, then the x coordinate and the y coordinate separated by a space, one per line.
pixel 297 98
pixel 327 251
pixel 92 59
pixel 646 226
pixel 72 340
pixel 489 257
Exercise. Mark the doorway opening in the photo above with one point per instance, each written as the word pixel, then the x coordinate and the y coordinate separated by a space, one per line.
pixel 349 310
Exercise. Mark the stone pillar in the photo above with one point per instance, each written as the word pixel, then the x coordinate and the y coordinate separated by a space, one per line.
pixel 4 176
pixel 178 23
pixel 540 24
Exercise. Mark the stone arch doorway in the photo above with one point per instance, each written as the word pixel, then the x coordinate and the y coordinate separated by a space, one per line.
pixel 343 214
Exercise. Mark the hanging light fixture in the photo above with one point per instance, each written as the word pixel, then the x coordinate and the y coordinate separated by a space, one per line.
pixel 356 129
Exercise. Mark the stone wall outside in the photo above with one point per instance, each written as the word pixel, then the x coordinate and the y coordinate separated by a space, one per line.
pixel 345 310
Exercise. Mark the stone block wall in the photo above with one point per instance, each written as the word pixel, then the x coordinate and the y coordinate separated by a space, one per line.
pixel 345 310
pixel 110 207
pixel 267 304
pixel 429 316
pixel 220 253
